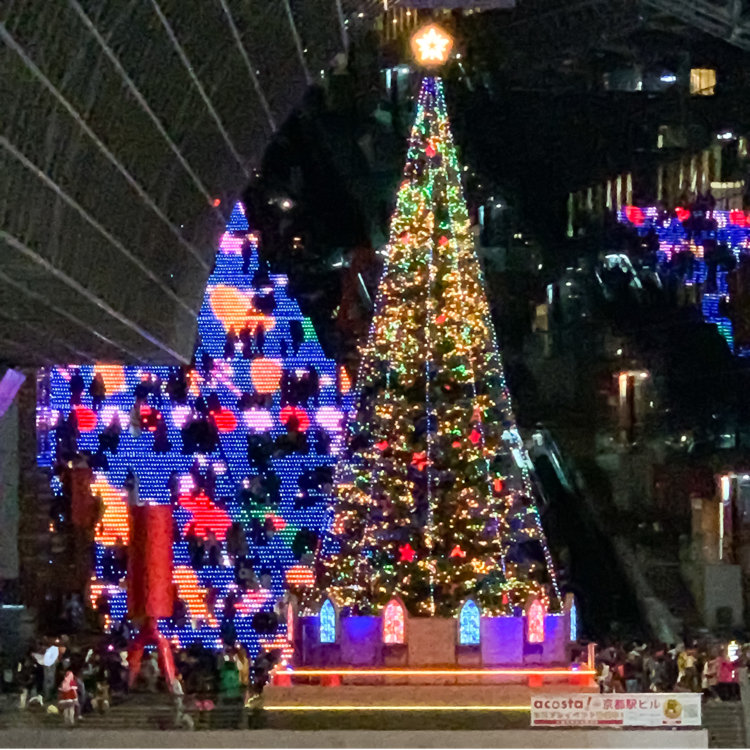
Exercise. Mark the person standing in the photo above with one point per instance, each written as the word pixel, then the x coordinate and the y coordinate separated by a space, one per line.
pixel 243 670
pixel 49 661
pixel 710 677
pixel 728 685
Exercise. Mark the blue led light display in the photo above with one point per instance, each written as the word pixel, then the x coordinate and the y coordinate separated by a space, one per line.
pixel 573 621
pixel 243 447
pixel 468 624
pixel 700 248
pixel 327 622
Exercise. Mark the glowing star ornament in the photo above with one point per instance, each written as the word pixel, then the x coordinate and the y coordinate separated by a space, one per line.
pixel 419 460
pixel 431 46
pixel 407 552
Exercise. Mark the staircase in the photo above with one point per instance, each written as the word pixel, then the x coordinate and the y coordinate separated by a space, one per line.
pixel 154 711
pixel 669 586
pixel 725 724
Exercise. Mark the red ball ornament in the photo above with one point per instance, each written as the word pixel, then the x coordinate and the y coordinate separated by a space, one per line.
pixel 682 213
pixel 440 319
pixel 456 443
pixel 382 445
pixel 430 151
pixel 443 241
pixel 497 485
pixel 475 436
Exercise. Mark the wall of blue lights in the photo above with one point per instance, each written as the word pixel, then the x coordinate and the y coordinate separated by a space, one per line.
pixel 243 446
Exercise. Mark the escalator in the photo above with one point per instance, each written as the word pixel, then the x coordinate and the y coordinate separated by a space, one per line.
pixel 607 606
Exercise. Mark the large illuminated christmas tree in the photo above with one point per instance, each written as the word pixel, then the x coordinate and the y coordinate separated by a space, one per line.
pixel 433 501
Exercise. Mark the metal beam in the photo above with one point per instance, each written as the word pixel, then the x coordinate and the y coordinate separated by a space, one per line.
pixel 136 92
pixel 89 219
pixel 44 301
pixel 32 255
pixel 179 49
pixel 720 20
pixel 10 41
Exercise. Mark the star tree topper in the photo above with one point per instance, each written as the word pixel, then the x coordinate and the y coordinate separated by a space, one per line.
pixel 431 46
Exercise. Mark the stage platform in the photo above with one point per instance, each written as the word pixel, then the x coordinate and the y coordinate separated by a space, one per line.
pixel 581 677
pixel 482 698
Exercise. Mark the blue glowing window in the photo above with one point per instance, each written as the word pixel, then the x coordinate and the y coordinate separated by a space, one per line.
pixel 573 622
pixel 327 622
pixel 468 624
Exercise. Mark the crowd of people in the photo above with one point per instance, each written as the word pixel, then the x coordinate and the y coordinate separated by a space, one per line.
pixel 713 670
pixel 57 676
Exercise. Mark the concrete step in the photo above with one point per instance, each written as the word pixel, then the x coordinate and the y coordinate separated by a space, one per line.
pixel 725 723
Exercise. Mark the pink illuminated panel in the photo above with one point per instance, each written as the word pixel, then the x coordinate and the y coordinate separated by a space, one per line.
pixel 536 616
pixel 394 623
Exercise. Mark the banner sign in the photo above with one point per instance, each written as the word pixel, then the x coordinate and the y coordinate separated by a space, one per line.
pixel 616 709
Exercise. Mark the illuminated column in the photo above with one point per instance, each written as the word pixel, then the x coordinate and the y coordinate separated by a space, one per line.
pixel 150 590
pixel 571 211
pixel 608 195
pixel 725 518
pixel 535 614
pixel 618 192
pixel 693 174
pixel 394 623
pixel 629 189
pixel 717 162
pixel 659 183
pixel 705 170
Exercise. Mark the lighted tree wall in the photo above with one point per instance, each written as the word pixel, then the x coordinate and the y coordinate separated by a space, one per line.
pixel 433 501
pixel 243 446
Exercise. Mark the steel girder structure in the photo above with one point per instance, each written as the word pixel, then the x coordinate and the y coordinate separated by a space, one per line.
pixel 128 129
pixel 726 19
pixel 575 26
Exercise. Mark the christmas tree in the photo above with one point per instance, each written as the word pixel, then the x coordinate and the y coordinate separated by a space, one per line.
pixel 433 501
pixel 242 445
